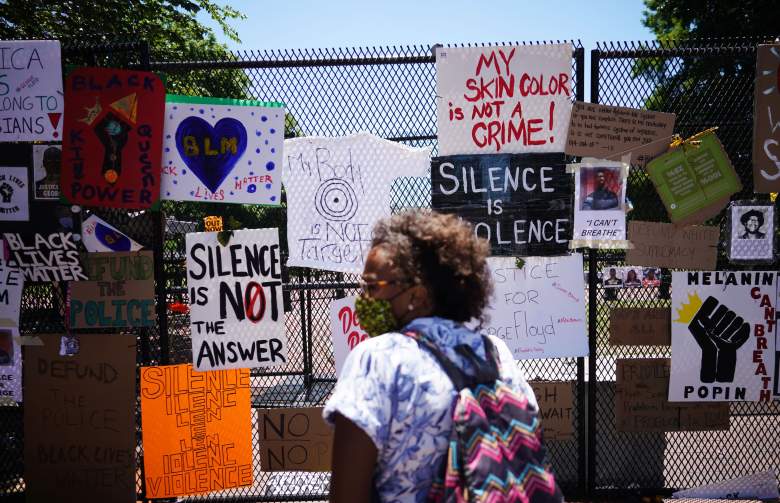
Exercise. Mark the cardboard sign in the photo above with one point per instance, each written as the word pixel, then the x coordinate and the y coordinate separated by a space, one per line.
pixel 113 138
pixel 617 133
pixel 667 245
pixel 723 327
pixel 294 439
pixel 345 329
pixel 520 203
pixel 119 293
pixel 222 151
pixel 752 233
pixel 503 99
pixel 47 160
pixel 641 404
pixel 337 189
pixel 236 305
pixel 31 90
pixel 599 205
pixel 539 310
pixel 14 194
pixel 49 257
pixel 79 420
pixel 766 116
pixel 197 430
pixel 695 182
pixel 100 236
pixel 10 366
pixel 11 287
pixel 640 326
pixel 556 408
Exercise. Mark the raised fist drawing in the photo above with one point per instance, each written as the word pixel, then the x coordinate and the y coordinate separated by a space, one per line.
pixel 6 192
pixel 719 332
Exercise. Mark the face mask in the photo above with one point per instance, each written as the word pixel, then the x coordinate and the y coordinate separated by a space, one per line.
pixel 375 316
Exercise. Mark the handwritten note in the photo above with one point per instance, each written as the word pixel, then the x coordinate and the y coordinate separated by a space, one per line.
pixel 345 329
pixel 675 247
pixel 503 99
pixel 45 257
pixel 641 326
pixel 294 439
pixel 11 286
pixel 556 408
pixel 766 117
pixel 10 366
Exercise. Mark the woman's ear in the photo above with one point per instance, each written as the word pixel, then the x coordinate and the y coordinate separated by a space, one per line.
pixel 420 300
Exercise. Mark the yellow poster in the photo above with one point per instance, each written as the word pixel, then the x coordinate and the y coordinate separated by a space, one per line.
pixel 196 430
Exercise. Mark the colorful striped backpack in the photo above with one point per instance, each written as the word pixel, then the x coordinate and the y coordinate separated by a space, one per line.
pixel 495 451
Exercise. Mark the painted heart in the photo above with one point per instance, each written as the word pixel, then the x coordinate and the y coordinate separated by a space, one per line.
pixel 211 152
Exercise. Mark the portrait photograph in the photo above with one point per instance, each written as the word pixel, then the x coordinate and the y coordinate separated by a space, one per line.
pixel 752 233
pixel 612 277
pixel 633 277
pixel 601 188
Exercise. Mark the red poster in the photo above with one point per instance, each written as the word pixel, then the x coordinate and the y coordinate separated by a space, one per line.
pixel 112 139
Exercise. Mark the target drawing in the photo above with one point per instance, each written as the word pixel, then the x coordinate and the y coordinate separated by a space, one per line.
pixel 335 200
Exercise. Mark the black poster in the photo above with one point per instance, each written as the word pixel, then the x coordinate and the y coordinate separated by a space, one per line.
pixel 521 203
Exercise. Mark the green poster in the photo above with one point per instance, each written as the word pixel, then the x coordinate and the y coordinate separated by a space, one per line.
pixel 694 181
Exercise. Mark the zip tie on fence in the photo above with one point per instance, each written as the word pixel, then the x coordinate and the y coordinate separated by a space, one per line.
pixel 692 140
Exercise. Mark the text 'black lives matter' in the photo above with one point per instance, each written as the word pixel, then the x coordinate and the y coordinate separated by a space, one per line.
pixel 521 203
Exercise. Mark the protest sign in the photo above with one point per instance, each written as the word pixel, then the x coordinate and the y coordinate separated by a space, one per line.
pixel 100 236
pixel 45 257
pixel 113 138
pixel 236 309
pixel 668 245
pixel 14 194
pixel 337 189
pixel 695 182
pixel 556 406
pixel 599 204
pixel 79 420
pixel 762 486
pixel 47 160
pixel 617 133
pixel 538 310
pixel 520 203
pixel 641 404
pixel 752 232
pixel 766 117
pixel 10 366
pixel 640 326
pixel 197 430
pixel 294 439
pixel 508 99
pixel 11 286
pixel 119 293
pixel 723 343
pixel 222 150
pixel 345 329
pixel 30 90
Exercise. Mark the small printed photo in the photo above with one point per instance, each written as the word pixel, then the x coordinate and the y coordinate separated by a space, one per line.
pixel 6 348
pixel 632 277
pixel 69 345
pixel 612 277
pixel 600 188
pixel 651 277
pixel 752 233
pixel 46 171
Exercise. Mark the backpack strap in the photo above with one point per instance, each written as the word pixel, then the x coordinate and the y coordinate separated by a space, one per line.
pixel 487 371
pixel 459 378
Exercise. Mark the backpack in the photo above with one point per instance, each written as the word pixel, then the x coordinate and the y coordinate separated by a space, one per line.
pixel 495 452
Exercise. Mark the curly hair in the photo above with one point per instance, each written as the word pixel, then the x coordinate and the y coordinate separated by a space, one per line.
pixel 442 253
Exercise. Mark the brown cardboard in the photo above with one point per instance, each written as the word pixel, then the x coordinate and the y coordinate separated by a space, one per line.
pixel 641 403
pixel 294 439
pixel 766 118
pixel 79 420
pixel 667 245
pixel 556 408
pixel 608 132
pixel 648 326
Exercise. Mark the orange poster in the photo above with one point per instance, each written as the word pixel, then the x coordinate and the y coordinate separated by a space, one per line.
pixel 197 430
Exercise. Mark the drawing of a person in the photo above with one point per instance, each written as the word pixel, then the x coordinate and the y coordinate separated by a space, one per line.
pixel 602 198
pixel 752 221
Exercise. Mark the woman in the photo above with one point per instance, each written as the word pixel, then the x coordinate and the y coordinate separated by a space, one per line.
pixel 392 405
pixel 632 279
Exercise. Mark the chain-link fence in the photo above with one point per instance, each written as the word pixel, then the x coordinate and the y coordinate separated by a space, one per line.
pixel 391 92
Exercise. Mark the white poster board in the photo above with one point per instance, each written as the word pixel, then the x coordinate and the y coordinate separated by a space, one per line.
pixel 723 343
pixel 345 329
pixel 539 310
pixel 599 204
pixel 14 194
pixel 100 236
pixel 11 286
pixel 236 306
pixel 222 151
pixel 31 90
pixel 503 99
pixel 337 189
pixel 10 366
